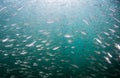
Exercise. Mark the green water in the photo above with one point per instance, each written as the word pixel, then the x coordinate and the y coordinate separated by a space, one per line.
pixel 60 39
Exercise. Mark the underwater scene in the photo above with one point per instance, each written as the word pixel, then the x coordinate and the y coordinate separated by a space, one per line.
pixel 59 38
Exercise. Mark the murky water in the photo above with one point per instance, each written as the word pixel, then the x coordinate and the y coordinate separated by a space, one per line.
pixel 59 39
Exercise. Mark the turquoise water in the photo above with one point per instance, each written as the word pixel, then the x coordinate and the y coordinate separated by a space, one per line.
pixel 60 39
